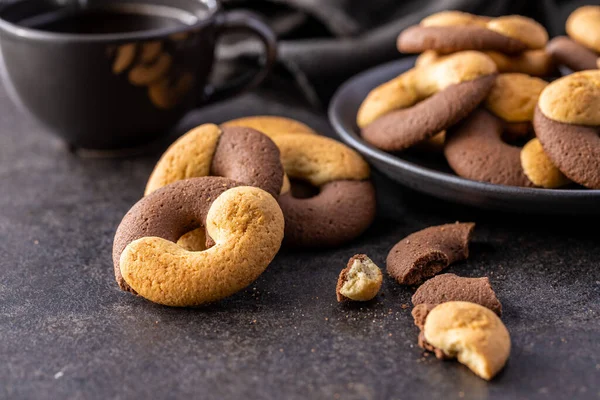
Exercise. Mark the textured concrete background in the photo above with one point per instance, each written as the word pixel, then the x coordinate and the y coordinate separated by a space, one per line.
pixel 66 331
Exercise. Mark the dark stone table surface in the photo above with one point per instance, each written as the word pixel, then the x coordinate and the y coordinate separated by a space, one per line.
pixel 67 332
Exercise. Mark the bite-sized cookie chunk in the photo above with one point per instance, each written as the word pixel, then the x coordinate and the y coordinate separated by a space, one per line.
pixel 359 281
pixel 452 31
pixel 424 101
pixel 475 150
pixel 450 287
pixel 567 122
pixel 245 223
pixel 271 125
pixel 539 168
pixel 425 253
pixel 345 204
pixel 471 333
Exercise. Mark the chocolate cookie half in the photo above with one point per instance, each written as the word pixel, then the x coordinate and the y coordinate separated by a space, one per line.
pixel 425 253
pixel 404 128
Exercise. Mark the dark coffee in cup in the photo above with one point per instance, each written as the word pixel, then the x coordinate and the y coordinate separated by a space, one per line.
pixel 113 19
pixel 112 74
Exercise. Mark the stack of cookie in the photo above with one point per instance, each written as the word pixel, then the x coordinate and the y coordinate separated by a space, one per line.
pixel 473 94
pixel 219 203
pixel 513 42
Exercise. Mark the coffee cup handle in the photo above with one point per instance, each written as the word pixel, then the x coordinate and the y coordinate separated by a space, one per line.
pixel 243 21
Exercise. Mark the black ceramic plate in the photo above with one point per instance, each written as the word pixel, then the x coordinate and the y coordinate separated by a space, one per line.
pixel 432 175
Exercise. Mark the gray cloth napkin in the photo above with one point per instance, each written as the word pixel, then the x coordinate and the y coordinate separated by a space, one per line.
pixel 324 42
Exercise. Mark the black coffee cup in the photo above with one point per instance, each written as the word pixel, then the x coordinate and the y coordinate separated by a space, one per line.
pixel 112 74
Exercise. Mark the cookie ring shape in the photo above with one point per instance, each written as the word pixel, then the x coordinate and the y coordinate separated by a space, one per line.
pixel 567 122
pixel 452 31
pixel 573 55
pixel 242 154
pixel 345 205
pixel 421 82
pixel 423 101
pixel 474 150
pixel 423 254
pixel 245 222
pixel 271 125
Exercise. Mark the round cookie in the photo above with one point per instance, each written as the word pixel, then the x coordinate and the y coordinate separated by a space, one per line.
pixel 474 150
pixel 514 97
pixel 530 62
pixel 245 222
pixel 271 125
pixel 425 100
pixel 452 31
pixel 239 153
pixel 583 26
pixel 345 205
pixel 538 167
pixel 571 54
pixel 567 122
pixel 425 253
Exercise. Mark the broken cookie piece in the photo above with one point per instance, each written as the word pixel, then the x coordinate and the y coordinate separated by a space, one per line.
pixel 425 253
pixel 360 280
pixel 471 333
pixel 450 287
